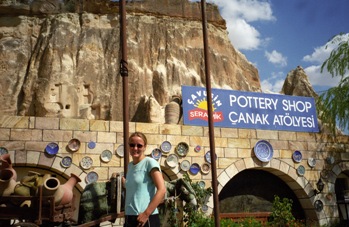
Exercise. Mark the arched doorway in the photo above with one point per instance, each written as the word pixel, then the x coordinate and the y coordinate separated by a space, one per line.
pixel 342 196
pixel 253 190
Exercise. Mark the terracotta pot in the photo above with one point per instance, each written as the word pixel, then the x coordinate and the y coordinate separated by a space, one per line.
pixel 7 183
pixel 51 188
pixel 67 189
pixel 6 163
pixel 173 111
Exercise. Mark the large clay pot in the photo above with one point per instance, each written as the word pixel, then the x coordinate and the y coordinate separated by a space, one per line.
pixel 7 183
pixel 173 110
pixel 67 189
pixel 51 188
pixel 6 163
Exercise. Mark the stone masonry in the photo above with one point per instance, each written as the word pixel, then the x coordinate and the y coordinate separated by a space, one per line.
pixel 26 139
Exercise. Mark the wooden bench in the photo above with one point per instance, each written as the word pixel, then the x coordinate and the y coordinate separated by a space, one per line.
pixel 260 216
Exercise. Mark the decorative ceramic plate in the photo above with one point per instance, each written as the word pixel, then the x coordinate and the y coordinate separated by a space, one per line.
pixel 66 161
pixel 172 160
pixel 194 168
pixel 86 162
pixel 263 151
pixel 208 157
pixel 297 156
pixel 311 162
pixel 185 165
pixel 300 170
pixel 197 148
pixel 91 177
pixel 52 148
pixel 182 149
pixel 74 145
pixel 156 154
pixel 204 208
pixel 106 155
pixel 3 150
pixel 202 184
pixel 330 160
pixel 91 145
pixel 205 168
pixel 318 205
pixel 120 150
pixel 166 146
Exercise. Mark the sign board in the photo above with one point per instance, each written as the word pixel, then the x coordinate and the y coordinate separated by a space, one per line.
pixel 239 109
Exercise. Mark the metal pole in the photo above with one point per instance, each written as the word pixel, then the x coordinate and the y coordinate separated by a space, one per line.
pixel 124 75
pixel 210 116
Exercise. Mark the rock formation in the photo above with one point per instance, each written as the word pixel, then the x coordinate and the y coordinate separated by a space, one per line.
pixel 297 84
pixel 61 58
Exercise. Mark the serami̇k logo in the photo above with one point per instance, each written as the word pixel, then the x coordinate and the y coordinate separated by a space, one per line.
pixel 200 110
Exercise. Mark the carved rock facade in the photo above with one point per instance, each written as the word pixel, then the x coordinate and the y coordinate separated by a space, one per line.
pixel 56 63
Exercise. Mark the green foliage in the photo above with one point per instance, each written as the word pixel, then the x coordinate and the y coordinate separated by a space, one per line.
pixel 281 214
pixel 332 105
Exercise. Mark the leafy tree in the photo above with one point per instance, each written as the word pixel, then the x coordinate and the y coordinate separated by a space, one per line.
pixel 333 104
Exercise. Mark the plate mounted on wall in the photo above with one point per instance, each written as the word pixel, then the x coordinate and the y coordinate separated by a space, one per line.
pixel 297 156
pixel 52 148
pixel 263 151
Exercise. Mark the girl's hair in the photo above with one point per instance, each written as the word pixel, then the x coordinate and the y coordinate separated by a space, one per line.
pixel 141 135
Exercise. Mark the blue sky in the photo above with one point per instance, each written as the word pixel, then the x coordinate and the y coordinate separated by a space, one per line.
pixel 279 35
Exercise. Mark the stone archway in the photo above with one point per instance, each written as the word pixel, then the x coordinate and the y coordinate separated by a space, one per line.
pixel 300 185
pixel 338 179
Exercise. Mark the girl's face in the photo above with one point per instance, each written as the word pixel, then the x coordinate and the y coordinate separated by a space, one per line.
pixel 137 148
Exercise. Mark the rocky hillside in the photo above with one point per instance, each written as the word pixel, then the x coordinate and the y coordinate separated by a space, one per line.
pixel 61 58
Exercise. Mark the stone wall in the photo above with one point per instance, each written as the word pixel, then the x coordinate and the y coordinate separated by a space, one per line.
pixel 26 139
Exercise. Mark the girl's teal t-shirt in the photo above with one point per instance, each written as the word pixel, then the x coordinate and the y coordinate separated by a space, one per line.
pixel 140 188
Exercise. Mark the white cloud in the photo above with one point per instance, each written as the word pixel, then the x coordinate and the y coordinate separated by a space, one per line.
pixel 274 83
pixel 319 55
pixel 276 58
pixel 316 78
pixel 239 15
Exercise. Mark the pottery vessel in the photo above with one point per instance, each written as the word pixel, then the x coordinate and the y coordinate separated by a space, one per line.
pixel 67 189
pixel 173 110
pixel 6 163
pixel 63 193
pixel 51 188
pixel 7 183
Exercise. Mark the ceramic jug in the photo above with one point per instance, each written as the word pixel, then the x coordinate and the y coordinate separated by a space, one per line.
pixel 6 163
pixel 7 183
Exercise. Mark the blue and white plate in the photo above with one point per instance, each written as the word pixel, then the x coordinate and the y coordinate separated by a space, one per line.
pixel 52 148
pixel 91 144
pixel 263 151
pixel 208 157
pixel 166 146
pixel 194 168
pixel 297 156
pixel 66 161
pixel 156 153
pixel 91 177
pixel 86 162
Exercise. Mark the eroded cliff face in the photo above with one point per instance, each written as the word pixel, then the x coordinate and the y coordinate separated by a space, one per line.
pixel 60 61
